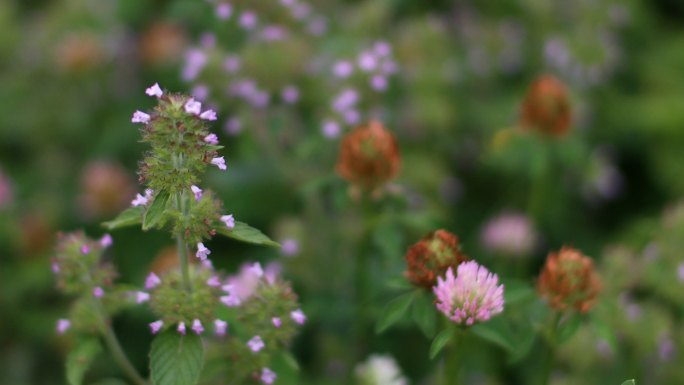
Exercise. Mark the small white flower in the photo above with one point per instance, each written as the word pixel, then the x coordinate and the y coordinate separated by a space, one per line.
pixel 202 252
pixel 193 107
pixel 208 115
pixel 228 220
pixel 140 117
pixel 141 297
pixel 255 344
pixel 154 90
pixel 219 162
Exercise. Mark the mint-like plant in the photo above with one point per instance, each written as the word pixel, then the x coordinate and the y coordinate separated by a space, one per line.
pixel 237 323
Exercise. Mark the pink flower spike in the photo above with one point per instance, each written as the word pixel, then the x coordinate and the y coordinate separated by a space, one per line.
pixel 154 90
pixel 276 322
pixel 268 376
pixel 219 162
pixel 98 292
pixel 208 115
pixel 156 326
pixel 211 139
pixel 220 327
pixel 298 316
pixel 197 191
pixel 152 281
pixel 85 249
pixel 141 297
pixel 63 325
pixel 256 269
pixel 140 117
pixel 197 326
pixel 255 344
pixel 214 281
pixel 139 201
pixel 193 107
pixel 106 240
pixel 202 252
pixel 228 220
pixel 181 328
pixel 223 11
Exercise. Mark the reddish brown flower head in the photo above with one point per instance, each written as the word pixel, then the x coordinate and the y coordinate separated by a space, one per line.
pixel 568 279
pixel 369 156
pixel 432 256
pixel 546 108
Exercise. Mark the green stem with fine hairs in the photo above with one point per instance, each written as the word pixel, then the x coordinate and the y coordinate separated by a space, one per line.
pixel 551 341
pixel 451 363
pixel 183 248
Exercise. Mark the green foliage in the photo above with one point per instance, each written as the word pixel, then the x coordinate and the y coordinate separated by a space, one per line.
pixel 79 359
pixel 130 217
pixel 155 212
pixel 629 382
pixel 246 233
pixel 440 341
pixel 424 313
pixel 394 311
pixel 176 359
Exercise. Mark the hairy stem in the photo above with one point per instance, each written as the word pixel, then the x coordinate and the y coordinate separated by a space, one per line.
pixel 451 365
pixel 183 248
pixel 120 357
pixel 551 346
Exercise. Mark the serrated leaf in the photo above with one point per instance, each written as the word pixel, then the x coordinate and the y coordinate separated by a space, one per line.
pixel 393 311
pixel 424 314
pixel 246 233
pixel 155 212
pixel 129 217
pixel 440 341
pixel 80 358
pixel 629 382
pixel 569 327
pixel 176 359
pixel 496 331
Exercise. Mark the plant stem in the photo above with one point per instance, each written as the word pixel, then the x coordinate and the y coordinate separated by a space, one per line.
pixel 451 365
pixel 120 357
pixel 183 248
pixel 551 345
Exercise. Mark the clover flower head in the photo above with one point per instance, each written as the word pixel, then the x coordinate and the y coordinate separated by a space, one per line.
pixel 219 162
pixel 268 376
pixel 220 327
pixel 256 344
pixel 298 316
pixel 152 281
pixel 193 107
pixel 154 90
pixel 156 326
pixel 140 117
pixel 228 220
pixel 63 325
pixel 202 252
pixel 473 295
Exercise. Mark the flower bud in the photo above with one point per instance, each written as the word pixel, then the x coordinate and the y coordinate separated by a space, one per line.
pixel 369 156
pixel 568 280
pixel 432 256
pixel 546 108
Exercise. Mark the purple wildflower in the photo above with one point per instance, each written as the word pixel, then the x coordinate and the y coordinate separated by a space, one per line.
pixel 106 240
pixel 255 344
pixel 193 107
pixel 268 376
pixel 152 281
pixel 330 129
pixel 98 292
pixel 202 252
pixel 140 117
pixel 208 115
pixel 248 20
pixel 290 247
pixel 141 297
pixel 85 249
pixel 276 322
pixel 211 139
pixel 63 325
pixel 290 94
pixel 197 326
pixel 342 69
pixel 181 328
pixel 474 295
pixel 298 316
pixel 228 220
pixel 154 90
pixel 214 281
pixel 223 11
pixel 510 234
pixel 197 191
pixel 220 327
pixel 156 326
pixel 219 162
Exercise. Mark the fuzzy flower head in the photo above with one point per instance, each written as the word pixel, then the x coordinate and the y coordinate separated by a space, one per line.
pixel 369 156
pixel 473 295
pixel 509 234
pixel 546 108
pixel 432 256
pixel 379 370
pixel 568 280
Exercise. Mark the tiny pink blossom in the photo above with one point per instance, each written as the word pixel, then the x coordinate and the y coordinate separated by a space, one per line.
pixel 382 48
pixel 298 316
pixel 367 61
pixel 290 94
pixel 141 297
pixel 214 281
pixel 55 267
pixel 154 90
pixel 330 129
pixel 276 322
pixel 181 328
pixel 352 116
pixel 98 292
pixel 140 117
pixel 106 240
pixel 197 191
pixel 193 107
pixel 211 139
pixel 63 325
pixel 85 249
pixel 231 64
pixel 197 326
pixel 156 326
pixel 220 327
pixel 208 115
pixel 139 201
pixel 290 247
pixel 231 300
pixel 228 220
pixel 207 264
pixel 248 20
pixel 268 376
pixel 378 82
pixel 256 270
pixel 202 252
pixel 233 126
pixel 255 344
pixel 223 11
pixel 152 281
pixel 219 162
pixel 342 69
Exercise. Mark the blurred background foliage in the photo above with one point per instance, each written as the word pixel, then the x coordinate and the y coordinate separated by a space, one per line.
pixel 72 72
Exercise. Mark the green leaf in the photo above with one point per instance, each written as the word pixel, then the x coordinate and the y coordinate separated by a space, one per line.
pixel 246 233
pixel 424 313
pixel 176 359
pixel 290 360
pixel 129 217
pixel 568 328
pixel 440 341
pixel 517 292
pixel 604 331
pixel 629 382
pixel 393 311
pixel 80 358
pixel 155 212
pixel 496 331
